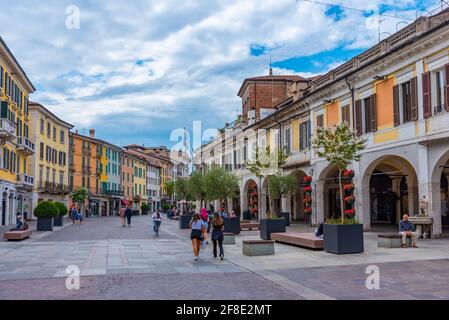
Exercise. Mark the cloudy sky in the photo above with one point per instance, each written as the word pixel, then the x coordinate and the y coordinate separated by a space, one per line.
pixel 136 70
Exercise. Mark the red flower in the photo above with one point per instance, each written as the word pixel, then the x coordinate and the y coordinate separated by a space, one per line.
pixel 348 186
pixel 307 189
pixel 350 212
pixel 348 173
pixel 308 210
pixel 350 199
pixel 307 199
pixel 307 178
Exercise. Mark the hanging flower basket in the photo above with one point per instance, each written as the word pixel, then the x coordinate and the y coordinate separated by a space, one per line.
pixel 307 210
pixel 348 187
pixel 254 194
pixel 350 199
pixel 308 179
pixel 350 212
pixel 348 173
pixel 307 200
pixel 308 189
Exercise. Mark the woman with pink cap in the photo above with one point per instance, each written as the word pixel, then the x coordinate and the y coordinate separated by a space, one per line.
pixel 205 218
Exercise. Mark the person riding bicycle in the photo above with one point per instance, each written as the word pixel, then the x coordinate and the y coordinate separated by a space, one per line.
pixel 157 218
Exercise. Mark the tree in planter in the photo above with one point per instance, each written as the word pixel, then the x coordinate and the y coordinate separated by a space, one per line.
pixel 145 208
pixel 197 187
pixel 169 188
pixel 339 145
pixel 182 190
pixel 46 209
pixel 280 186
pixel 62 208
pixel 265 163
pixel 80 195
pixel 221 184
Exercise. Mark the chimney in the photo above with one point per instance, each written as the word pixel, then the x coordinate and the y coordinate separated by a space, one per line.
pixel 92 133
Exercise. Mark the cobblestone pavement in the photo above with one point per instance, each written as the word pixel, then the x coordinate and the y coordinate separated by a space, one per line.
pixel 130 263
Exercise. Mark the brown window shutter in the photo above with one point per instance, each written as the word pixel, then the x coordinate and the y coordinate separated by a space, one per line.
pixel 358 117
pixel 373 111
pixel 414 98
pixel 396 105
pixel 426 94
pixel 446 87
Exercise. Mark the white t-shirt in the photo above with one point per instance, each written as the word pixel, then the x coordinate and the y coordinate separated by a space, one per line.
pixel 154 216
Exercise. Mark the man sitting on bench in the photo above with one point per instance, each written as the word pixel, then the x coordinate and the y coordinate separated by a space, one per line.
pixel 406 229
pixel 20 225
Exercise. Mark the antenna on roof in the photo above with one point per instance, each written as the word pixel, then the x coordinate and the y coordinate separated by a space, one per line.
pixel 271 67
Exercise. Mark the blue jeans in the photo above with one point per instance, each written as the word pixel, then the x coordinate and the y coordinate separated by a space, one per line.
pixel 156 225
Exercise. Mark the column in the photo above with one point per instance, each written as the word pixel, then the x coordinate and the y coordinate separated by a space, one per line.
pixel 243 201
pixel 362 197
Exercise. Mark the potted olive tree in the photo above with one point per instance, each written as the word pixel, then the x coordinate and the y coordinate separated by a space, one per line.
pixel 58 221
pixel 279 187
pixel 340 145
pixel 45 212
pixel 145 208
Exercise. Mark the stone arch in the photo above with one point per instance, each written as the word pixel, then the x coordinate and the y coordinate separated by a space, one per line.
pixel 250 197
pixel 389 188
pixel 295 202
pixel 439 194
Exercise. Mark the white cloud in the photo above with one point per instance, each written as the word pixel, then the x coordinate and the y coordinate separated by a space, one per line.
pixel 167 63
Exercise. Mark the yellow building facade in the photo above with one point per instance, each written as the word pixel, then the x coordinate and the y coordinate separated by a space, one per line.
pixel 49 165
pixel 16 183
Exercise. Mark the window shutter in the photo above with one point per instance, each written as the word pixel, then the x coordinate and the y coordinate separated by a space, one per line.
pixel 301 137
pixel 373 110
pixel 414 98
pixel 396 105
pixel 426 94
pixel 446 87
pixel 358 117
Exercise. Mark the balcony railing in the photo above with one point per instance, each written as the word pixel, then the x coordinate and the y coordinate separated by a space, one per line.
pixel 116 193
pixel 86 152
pixel 56 188
pixel 25 145
pixel 25 181
pixel 7 129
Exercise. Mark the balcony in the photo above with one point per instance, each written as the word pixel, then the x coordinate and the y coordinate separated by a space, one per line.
pixel 72 167
pixel 56 188
pixel 7 130
pixel 86 170
pixel 25 146
pixel 86 152
pixel 112 193
pixel 25 181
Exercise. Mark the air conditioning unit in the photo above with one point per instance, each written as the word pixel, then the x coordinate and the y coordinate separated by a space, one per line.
pixel 251 117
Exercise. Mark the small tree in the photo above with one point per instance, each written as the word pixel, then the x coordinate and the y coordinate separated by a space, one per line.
pixel 80 195
pixel 182 190
pixel 221 184
pixel 46 209
pixel 197 187
pixel 339 145
pixel 169 188
pixel 62 208
pixel 280 186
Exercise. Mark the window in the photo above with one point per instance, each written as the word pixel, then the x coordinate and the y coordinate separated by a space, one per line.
pixel 42 125
pixel 405 98
pixel 320 121
pixel 54 133
pixel 48 129
pixel 438 92
pixel 41 176
pixel 366 115
pixel 346 114
pixel 54 176
pixel 47 174
pixel 304 135
pixel 62 136
pixel 406 102
pixel 41 151
pixel 287 139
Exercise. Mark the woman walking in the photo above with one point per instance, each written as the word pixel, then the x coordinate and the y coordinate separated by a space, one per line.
pixel 196 235
pixel 205 219
pixel 122 215
pixel 217 234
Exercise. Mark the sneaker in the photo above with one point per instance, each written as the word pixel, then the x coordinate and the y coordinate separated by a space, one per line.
pixel 404 246
pixel 196 258
pixel 221 258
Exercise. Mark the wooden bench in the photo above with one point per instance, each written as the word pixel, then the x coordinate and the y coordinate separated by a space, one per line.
pixel 307 240
pixel 258 247
pixel 249 225
pixel 228 238
pixel 17 235
pixel 392 240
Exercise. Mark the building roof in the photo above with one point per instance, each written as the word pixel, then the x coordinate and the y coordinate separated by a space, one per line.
pixel 287 78
pixel 35 105
pixel 146 157
pixel 18 66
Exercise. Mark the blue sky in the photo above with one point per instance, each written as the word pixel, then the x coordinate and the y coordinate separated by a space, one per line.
pixel 136 72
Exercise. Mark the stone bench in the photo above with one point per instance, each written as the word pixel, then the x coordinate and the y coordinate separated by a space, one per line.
pixel 17 235
pixel 258 247
pixel 392 240
pixel 228 238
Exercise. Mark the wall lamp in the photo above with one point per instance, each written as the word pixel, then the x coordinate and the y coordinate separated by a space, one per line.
pixel 380 77
pixel 328 101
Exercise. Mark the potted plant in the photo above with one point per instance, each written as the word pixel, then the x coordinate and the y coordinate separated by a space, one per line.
pixel 280 186
pixel 272 224
pixel 58 221
pixel 145 208
pixel 340 146
pixel 45 212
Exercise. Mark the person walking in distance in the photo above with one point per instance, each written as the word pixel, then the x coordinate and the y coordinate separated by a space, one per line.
pixel 157 219
pixel 217 234
pixel 128 214
pixel 122 212
pixel 196 234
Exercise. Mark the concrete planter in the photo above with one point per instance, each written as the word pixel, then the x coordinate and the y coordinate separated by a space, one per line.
pixel 44 224
pixel 269 226
pixel 258 247
pixel 229 238
pixel 58 221
pixel 343 238
pixel 286 216
pixel 184 221
pixel 231 225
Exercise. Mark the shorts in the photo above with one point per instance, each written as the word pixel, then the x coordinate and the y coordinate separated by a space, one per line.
pixel 196 234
